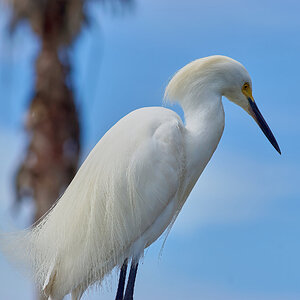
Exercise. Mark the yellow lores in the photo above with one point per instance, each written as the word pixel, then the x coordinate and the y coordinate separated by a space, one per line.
pixel 247 91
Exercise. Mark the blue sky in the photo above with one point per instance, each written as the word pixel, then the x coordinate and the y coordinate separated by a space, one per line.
pixel 238 234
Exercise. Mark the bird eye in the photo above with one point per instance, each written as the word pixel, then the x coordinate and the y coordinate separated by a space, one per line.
pixel 246 85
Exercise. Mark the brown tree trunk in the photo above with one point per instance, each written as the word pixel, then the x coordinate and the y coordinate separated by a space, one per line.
pixel 52 120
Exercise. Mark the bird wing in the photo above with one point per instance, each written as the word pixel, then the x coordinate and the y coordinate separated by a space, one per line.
pixel 155 176
pixel 147 161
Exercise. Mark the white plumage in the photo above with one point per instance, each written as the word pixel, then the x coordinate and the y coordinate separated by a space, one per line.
pixel 133 184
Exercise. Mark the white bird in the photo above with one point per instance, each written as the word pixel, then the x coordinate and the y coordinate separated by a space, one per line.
pixel 134 183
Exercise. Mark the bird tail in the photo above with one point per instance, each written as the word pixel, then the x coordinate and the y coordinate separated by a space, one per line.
pixel 27 251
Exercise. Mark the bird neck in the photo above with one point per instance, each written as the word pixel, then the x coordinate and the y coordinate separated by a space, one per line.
pixel 204 124
pixel 204 113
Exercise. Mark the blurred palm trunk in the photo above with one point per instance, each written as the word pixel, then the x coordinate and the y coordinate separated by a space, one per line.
pixel 52 120
pixel 52 123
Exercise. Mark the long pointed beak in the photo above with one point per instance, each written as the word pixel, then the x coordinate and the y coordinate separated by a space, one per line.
pixel 257 116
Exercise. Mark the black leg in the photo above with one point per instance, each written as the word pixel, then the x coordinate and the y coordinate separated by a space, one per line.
pixel 122 278
pixel 131 281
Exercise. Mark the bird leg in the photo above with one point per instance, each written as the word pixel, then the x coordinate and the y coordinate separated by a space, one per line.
pixel 122 278
pixel 131 280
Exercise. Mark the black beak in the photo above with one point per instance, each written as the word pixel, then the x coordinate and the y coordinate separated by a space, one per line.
pixel 263 124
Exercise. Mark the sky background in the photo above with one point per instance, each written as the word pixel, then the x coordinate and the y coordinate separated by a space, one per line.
pixel 237 237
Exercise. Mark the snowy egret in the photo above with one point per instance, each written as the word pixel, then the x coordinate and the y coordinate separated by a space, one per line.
pixel 134 183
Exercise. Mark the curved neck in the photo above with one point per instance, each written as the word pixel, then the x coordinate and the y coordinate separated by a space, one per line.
pixel 204 113
pixel 204 124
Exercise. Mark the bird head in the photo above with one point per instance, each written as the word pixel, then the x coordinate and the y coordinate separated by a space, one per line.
pixel 219 75
pixel 237 87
